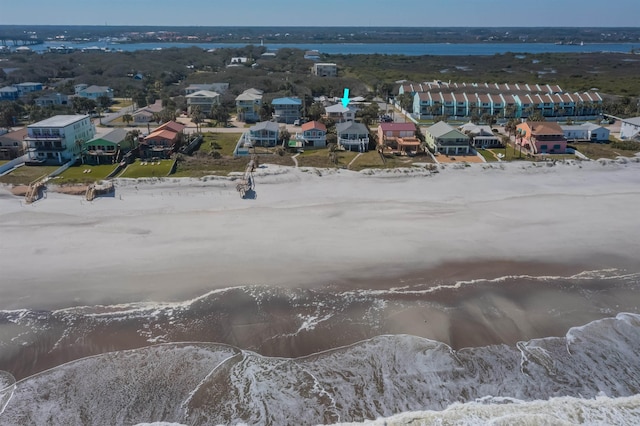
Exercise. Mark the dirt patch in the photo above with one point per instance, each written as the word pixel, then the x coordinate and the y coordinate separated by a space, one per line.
pixel 20 190
pixel 70 189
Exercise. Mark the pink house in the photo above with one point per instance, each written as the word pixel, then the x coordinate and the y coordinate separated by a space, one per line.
pixel 398 136
pixel 541 137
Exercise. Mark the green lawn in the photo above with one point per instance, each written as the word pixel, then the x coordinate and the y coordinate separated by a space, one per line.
pixel 226 141
pixel 512 153
pixel 138 170
pixel 76 174
pixel 488 155
pixel 26 174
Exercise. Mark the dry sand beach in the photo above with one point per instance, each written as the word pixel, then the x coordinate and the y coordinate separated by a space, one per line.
pixel 172 239
pixel 469 256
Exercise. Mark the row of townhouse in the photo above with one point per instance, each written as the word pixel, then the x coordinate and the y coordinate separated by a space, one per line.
pixel 496 88
pixel 514 105
pixel 502 100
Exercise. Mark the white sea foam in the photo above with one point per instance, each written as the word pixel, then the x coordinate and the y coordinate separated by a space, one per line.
pixel 537 382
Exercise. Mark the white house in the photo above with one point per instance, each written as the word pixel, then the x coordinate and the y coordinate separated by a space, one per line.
pixel 58 139
pixel 248 105
pixel 481 136
pixel 324 69
pixel 339 113
pixel 93 92
pixel 630 128
pixel 204 99
pixel 586 132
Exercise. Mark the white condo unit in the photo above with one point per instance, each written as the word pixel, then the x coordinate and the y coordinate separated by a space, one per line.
pixel 58 139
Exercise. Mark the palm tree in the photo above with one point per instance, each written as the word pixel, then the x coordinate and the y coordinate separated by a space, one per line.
pixel 127 118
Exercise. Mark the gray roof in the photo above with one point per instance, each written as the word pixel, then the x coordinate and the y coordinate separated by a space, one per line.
pixel 114 136
pixel 96 89
pixel 8 89
pixel 441 128
pixel 634 120
pixel 352 127
pixel 58 121
pixel 266 125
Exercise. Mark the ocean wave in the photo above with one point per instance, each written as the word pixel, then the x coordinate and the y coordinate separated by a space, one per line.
pixel 591 374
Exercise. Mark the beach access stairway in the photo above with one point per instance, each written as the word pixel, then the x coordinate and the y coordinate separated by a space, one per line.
pixel 246 184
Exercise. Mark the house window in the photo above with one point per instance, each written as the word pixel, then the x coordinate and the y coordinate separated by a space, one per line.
pixel 556 147
pixel 543 147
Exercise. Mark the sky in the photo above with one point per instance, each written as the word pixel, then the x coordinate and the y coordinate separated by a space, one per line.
pixel 415 13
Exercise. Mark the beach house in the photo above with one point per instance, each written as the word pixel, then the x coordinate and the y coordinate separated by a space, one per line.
pixel 12 144
pixel 264 133
pixel 248 105
pixel 541 137
pixel 106 149
pixel 353 136
pixel 398 136
pixel 162 142
pixel 313 135
pixel 339 113
pixel 630 128
pixel 58 139
pixel 205 100
pixel 286 110
pixel 93 92
pixel 447 140
pixel 481 136
pixel 586 132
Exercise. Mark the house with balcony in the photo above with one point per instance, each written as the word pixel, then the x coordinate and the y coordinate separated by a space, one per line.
pixel 481 136
pixel 106 149
pixel 313 135
pixel 339 113
pixel 248 105
pixel 398 136
pixel 263 134
pixel 205 100
pixel 58 139
pixel 93 92
pixel 162 142
pixel 585 132
pixel 353 136
pixel 630 128
pixel 324 69
pixel 447 140
pixel 12 144
pixel 541 137
pixel 286 110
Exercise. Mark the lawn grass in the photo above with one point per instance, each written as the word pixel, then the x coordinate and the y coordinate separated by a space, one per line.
pixel 595 151
pixel 226 141
pixel 137 170
pixel 119 103
pixel 512 153
pixel 75 174
pixel 320 158
pixel 488 155
pixel 26 174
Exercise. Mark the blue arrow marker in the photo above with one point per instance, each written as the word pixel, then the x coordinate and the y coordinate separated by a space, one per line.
pixel 345 98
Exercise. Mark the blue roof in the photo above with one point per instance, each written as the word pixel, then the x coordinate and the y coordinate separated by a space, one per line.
pixel 286 101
